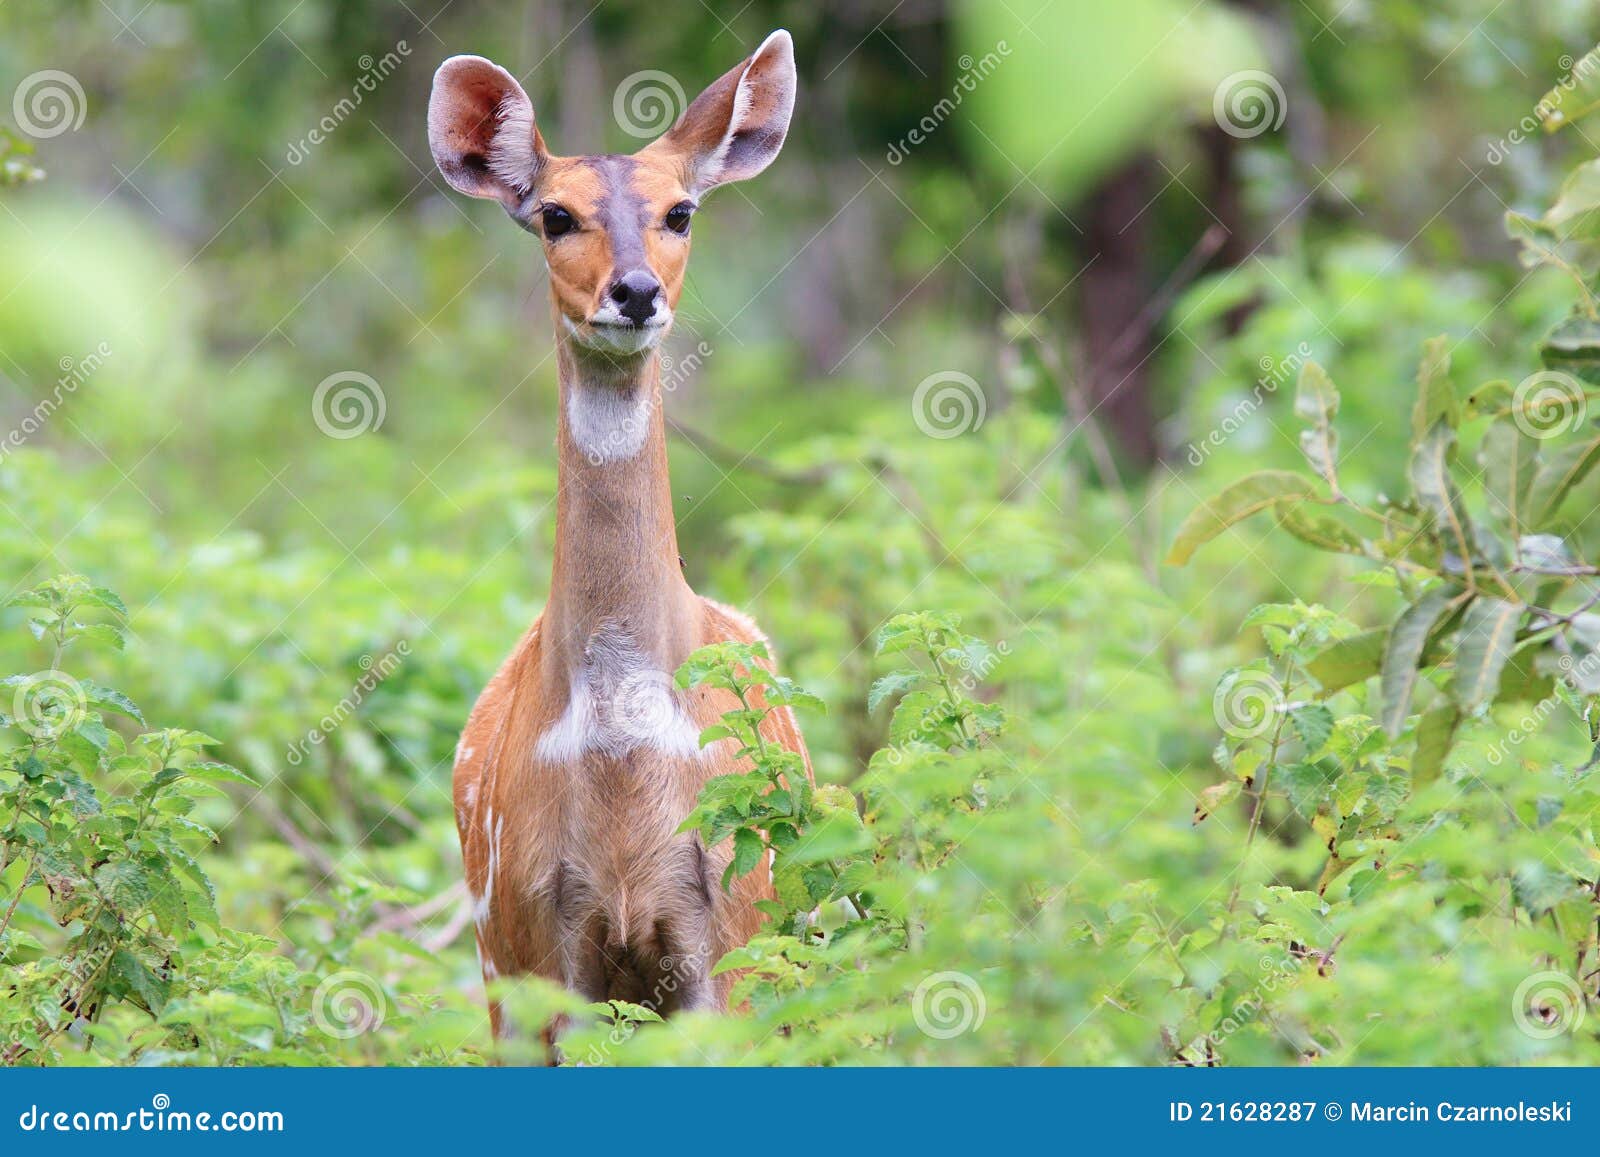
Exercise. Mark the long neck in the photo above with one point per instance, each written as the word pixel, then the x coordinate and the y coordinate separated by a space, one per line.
pixel 616 561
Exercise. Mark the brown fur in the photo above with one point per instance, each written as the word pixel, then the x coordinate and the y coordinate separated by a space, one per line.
pixel 568 834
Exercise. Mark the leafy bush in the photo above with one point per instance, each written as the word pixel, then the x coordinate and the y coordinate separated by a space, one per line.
pixel 111 940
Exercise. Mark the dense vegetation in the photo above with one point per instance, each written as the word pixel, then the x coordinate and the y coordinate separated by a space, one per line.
pixel 1252 723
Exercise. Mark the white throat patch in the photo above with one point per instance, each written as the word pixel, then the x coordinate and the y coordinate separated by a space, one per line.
pixel 606 424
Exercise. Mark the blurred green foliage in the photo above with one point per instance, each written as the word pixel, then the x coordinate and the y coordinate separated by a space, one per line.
pixel 188 271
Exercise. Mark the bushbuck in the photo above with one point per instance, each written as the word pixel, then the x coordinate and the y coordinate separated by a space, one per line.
pixel 582 758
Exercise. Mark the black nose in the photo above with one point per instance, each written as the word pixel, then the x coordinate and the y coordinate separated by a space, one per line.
pixel 635 295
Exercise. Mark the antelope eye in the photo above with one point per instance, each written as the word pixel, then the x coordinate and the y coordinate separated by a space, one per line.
pixel 556 220
pixel 678 218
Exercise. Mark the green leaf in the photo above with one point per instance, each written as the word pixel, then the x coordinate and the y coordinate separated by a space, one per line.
pixel 1315 528
pixel 893 684
pixel 109 700
pixel 209 771
pixel 1307 784
pixel 1510 458
pixel 837 834
pixel 748 849
pixel 783 692
pixel 1316 398
pixel 1524 680
pixel 1436 397
pixel 1313 724
pixel 1491 398
pixel 125 885
pixel 1250 495
pixel 1435 489
pixel 1575 216
pixel 1350 660
pixel 1317 402
pixel 1214 797
pixel 1556 477
pixel 1573 346
pixel 1575 97
pixel 111 636
pixel 132 972
pixel 166 898
pixel 1488 634
pixel 1435 732
pixel 1403 655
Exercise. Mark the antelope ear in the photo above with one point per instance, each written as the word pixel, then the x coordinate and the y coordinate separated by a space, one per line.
pixel 481 131
pixel 734 129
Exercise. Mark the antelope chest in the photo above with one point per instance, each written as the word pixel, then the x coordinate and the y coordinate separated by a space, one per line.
pixel 598 806
pixel 619 703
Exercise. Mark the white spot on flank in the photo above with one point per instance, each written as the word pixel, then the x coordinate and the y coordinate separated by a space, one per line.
pixel 491 831
pixel 485 964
